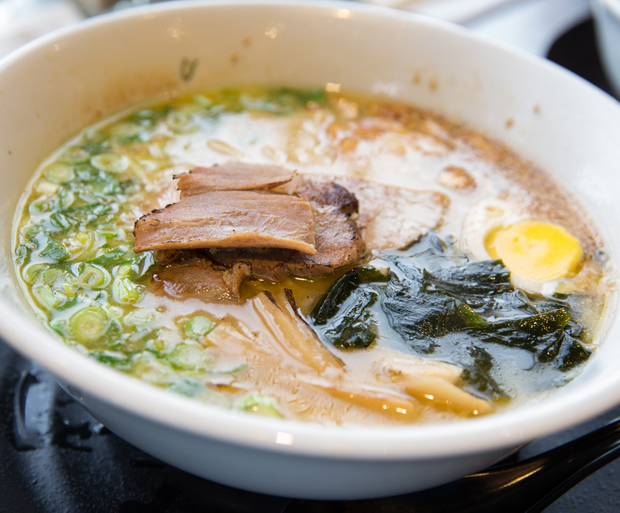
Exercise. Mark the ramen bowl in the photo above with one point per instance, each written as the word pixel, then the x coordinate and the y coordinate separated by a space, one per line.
pixel 53 87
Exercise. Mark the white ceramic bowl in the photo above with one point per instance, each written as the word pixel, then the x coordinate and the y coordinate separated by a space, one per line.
pixel 57 85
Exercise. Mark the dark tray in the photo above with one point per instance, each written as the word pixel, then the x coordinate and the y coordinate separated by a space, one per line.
pixel 54 457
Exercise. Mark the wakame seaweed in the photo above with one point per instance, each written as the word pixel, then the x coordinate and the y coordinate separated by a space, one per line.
pixel 451 310
pixel 344 315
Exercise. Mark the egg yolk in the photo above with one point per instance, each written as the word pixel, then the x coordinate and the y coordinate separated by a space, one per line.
pixel 536 250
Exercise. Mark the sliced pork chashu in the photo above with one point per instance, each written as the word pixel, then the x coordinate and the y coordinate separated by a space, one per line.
pixel 389 217
pixel 392 217
pixel 198 277
pixel 232 176
pixel 330 193
pixel 229 219
pixel 350 216
pixel 338 240
pixel 338 244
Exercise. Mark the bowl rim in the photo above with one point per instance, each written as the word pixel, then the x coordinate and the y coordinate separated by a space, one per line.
pixel 507 429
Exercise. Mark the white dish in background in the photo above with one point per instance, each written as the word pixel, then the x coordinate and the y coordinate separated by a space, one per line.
pixel 607 22
pixel 55 86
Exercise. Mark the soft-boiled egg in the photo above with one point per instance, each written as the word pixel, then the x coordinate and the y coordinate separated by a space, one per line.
pixel 536 252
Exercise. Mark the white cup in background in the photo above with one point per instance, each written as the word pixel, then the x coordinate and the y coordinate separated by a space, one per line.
pixel 607 22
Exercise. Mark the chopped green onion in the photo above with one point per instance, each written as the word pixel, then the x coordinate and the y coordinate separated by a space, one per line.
pixel 55 278
pixel 141 316
pixel 198 326
pixel 231 370
pixel 110 257
pixel 102 210
pixel 181 120
pixel 61 221
pixel 40 205
pixel 89 324
pixel 141 264
pixel 144 115
pixel 137 267
pixel 114 359
pixel 61 287
pixel 75 155
pixel 86 172
pixel 109 231
pixel 66 198
pixel 22 253
pixel 150 367
pixel 126 133
pixel 203 101
pixel 123 271
pixel 189 388
pixel 59 173
pixel 80 243
pixel 93 277
pixel 190 357
pixel 31 272
pixel 47 297
pixel 110 162
pixel 261 405
pixel 55 251
pixel 47 188
pixel 125 291
pixel 150 116
pixel 217 109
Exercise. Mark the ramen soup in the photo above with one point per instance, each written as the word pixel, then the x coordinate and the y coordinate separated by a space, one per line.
pixel 313 256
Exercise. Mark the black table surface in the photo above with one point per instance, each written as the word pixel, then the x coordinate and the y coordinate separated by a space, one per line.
pixel 54 457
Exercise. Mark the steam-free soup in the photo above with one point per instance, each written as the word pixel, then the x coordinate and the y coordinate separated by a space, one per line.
pixel 311 255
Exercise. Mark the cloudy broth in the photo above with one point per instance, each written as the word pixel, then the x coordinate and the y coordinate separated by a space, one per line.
pixel 278 350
